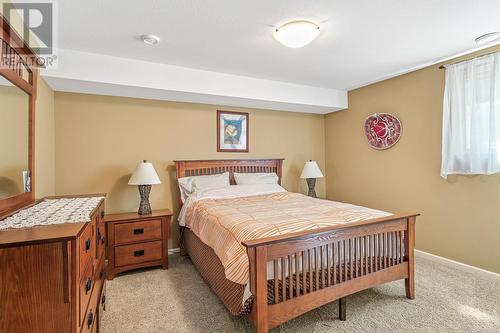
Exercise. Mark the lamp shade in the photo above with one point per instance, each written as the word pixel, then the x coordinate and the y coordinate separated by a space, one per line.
pixel 311 170
pixel 144 174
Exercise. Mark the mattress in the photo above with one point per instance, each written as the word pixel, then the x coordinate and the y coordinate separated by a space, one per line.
pixel 223 223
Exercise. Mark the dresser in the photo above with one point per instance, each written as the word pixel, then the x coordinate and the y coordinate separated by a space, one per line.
pixel 137 241
pixel 52 266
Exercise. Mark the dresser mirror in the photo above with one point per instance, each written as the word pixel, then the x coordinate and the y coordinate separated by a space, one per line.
pixel 14 140
pixel 18 82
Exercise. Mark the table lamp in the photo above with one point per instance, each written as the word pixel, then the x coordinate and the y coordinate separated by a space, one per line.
pixel 144 176
pixel 310 172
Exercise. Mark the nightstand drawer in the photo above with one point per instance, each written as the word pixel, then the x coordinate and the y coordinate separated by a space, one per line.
pixel 137 253
pixel 137 231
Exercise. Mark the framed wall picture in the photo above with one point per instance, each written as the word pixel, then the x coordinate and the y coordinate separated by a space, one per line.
pixel 232 131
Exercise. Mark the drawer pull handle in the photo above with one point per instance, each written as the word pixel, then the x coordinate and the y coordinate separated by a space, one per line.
pixel 88 285
pixel 88 244
pixel 100 236
pixel 102 214
pixel 139 253
pixel 138 231
pixel 90 319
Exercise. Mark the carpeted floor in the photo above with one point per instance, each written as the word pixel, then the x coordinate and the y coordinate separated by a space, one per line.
pixel 449 299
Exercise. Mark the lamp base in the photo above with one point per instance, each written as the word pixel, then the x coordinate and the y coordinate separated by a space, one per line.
pixel 144 206
pixel 311 182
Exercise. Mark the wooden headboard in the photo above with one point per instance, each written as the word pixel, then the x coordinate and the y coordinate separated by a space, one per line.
pixel 212 167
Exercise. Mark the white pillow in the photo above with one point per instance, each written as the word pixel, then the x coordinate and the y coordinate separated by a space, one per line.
pixel 189 185
pixel 255 178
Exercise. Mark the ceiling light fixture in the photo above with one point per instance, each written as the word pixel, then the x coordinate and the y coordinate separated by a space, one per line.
pixel 150 39
pixel 296 34
pixel 488 38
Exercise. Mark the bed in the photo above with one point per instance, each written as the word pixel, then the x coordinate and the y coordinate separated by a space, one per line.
pixel 274 274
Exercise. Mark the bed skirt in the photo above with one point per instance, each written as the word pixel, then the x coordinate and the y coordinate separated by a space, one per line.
pixel 210 268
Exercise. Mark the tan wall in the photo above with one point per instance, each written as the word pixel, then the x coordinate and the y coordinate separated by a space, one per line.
pixel 44 141
pixel 99 141
pixel 459 215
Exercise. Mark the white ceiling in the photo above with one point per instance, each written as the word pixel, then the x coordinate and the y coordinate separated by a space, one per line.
pixel 361 41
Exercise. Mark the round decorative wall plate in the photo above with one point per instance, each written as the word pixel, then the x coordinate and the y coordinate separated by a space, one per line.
pixel 382 130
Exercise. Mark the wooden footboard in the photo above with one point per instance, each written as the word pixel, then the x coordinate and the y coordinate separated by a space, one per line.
pixel 296 273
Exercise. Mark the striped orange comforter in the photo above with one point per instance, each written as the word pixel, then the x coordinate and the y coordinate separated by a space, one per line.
pixel 223 224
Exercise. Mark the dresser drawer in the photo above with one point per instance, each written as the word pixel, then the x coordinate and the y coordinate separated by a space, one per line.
pixel 99 276
pixel 101 232
pixel 100 238
pixel 87 246
pixel 102 303
pixel 100 271
pixel 137 253
pixel 89 323
pixel 85 289
pixel 137 231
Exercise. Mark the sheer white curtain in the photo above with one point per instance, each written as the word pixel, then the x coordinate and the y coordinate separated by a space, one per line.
pixel 471 117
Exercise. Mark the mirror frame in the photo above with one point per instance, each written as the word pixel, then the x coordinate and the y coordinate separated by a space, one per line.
pixel 12 45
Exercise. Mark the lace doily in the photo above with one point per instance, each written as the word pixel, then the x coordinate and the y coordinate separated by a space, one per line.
pixel 53 211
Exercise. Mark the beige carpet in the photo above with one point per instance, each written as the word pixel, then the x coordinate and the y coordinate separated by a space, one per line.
pixel 448 299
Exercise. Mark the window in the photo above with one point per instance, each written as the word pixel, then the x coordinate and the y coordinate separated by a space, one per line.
pixel 471 117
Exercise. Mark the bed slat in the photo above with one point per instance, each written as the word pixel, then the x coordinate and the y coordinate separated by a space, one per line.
pixel 276 295
pixel 328 266
pixel 350 259
pixel 283 278
pixel 290 277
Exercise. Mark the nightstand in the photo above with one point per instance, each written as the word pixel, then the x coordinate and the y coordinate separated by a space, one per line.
pixel 136 241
